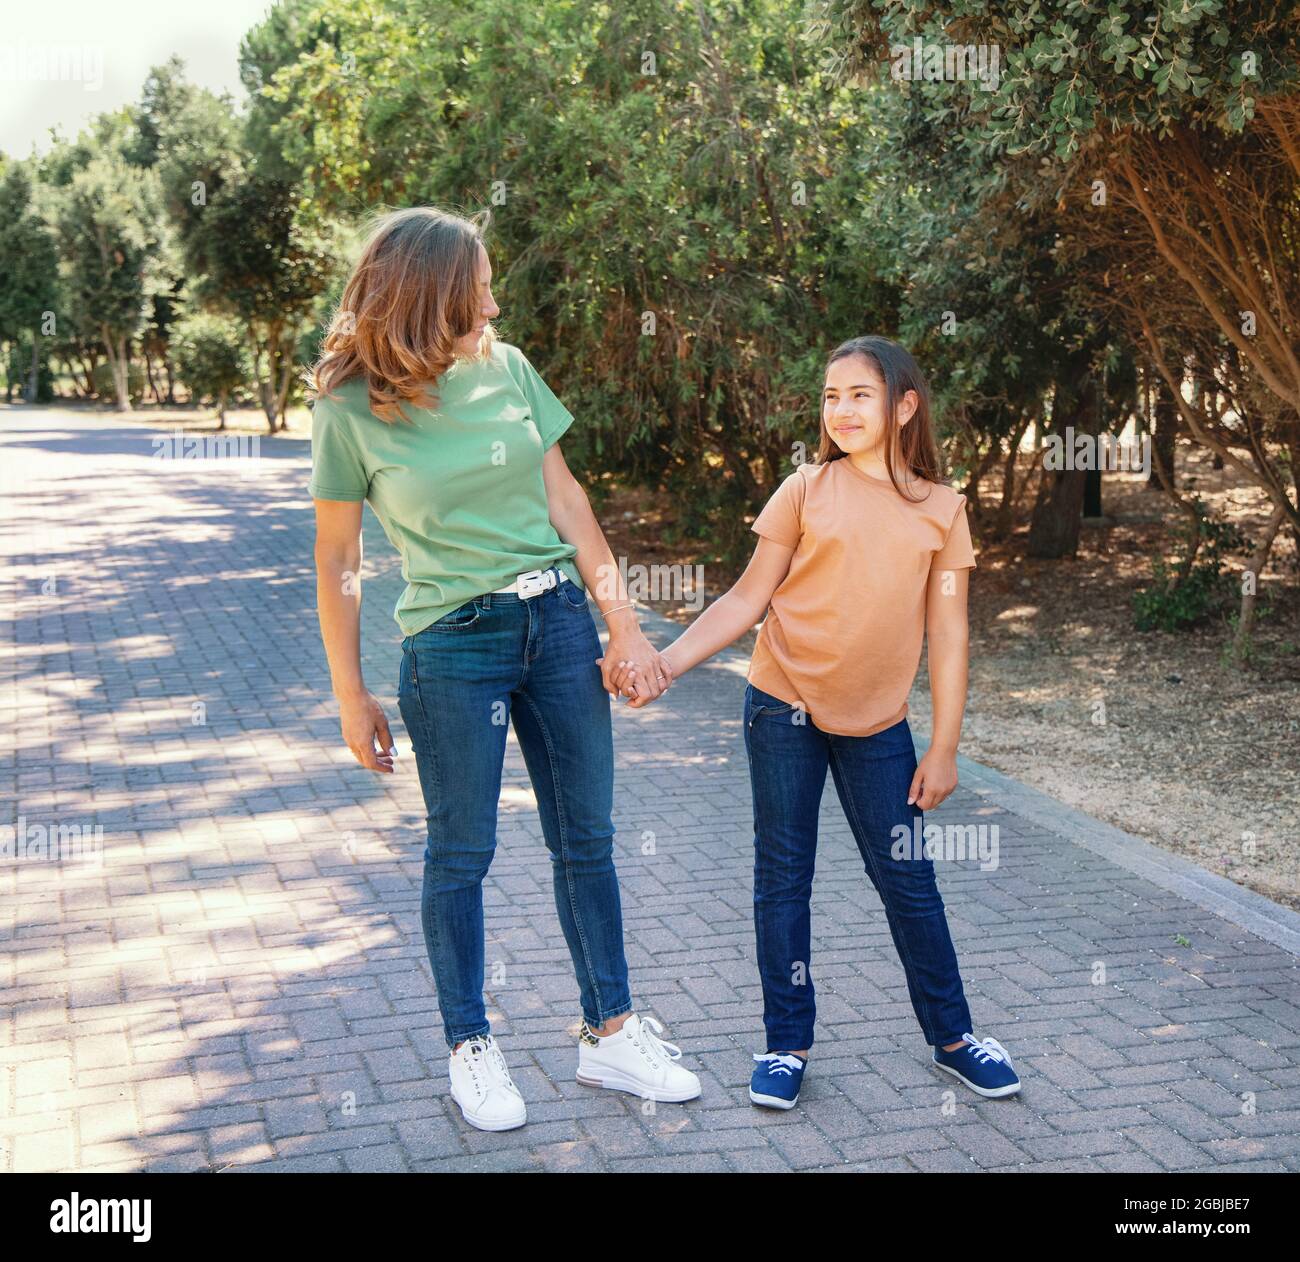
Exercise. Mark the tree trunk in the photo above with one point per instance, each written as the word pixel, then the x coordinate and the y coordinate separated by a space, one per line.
pixel 33 380
pixel 1294 451
pixel 1006 508
pixel 221 409
pixel 1092 493
pixel 1250 591
pixel 1058 516
pixel 148 372
pixel 117 361
pixel 1163 437
pixel 265 379
pixel 286 380
pixel 88 372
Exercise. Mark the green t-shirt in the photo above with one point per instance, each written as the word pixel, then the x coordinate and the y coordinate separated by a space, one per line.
pixel 459 487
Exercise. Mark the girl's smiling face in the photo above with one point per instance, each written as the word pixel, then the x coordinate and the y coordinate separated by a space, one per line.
pixel 854 403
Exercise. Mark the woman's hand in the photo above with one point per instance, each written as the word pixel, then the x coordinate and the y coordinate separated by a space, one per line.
pixel 935 779
pixel 632 667
pixel 365 730
pixel 626 677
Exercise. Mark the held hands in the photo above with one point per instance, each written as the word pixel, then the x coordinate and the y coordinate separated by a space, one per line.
pixel 636 688
pixel 634 669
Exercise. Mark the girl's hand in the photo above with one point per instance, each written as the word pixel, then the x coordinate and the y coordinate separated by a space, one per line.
pixel 632 666
pixel 636 694
pixel 935 779
pixel 362 720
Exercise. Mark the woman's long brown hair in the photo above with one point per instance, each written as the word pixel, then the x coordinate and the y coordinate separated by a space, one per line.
pixel 912 446
pixel 412 293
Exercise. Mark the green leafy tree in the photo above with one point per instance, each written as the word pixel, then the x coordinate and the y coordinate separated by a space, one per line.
pixel 109 225
pixel 29 265
pixel 212 358
pixel 672 186
pixel 1159 140
pixel 255 252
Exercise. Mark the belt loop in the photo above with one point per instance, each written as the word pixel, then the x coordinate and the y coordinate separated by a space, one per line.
pixel 486 600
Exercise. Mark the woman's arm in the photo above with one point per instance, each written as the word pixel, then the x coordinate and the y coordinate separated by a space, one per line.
pixel 575 523
pixel 338 604
pixel 947 634
pixel 732 614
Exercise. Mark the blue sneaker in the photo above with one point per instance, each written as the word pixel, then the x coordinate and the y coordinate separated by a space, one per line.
pixel 776 1080
pixel 984 1065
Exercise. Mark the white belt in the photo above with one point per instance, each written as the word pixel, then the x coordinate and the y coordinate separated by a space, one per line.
pixel 534 583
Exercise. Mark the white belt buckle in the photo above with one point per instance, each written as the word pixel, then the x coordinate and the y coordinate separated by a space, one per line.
pixel 534 583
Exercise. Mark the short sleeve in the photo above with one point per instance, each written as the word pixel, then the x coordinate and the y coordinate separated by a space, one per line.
pixel 550 416
pixel 337 471
pixel 782 517
pixel 957 552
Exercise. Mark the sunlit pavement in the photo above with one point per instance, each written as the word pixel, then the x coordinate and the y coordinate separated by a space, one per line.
pixel 227 971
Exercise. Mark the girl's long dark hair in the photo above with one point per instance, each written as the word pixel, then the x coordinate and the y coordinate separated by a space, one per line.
pixel 912 447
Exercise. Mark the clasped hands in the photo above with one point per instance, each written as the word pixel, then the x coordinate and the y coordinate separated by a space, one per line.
pixel 634 669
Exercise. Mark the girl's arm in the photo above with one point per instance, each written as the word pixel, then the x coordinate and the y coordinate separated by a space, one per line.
pixel 338 604
pixel 732 614
pixel 575 523
pixel 947 634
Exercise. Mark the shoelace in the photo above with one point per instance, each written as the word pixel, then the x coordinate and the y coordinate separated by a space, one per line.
pixel 648 1035
pixel 486 1056
pixel 778 1063
pixel 985 1050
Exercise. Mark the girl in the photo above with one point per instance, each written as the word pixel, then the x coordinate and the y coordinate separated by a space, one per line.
pixel 859 552
pixel 453 439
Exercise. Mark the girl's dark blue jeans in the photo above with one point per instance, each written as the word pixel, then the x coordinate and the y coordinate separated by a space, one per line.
pixel 788 757
pixel 500 659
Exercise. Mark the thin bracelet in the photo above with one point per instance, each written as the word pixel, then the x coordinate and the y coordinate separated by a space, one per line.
pixel 604 613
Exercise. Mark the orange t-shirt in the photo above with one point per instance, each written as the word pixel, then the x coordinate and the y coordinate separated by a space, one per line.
pixel 842 637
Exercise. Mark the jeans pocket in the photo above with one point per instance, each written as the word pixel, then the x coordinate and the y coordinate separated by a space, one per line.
pixel 573 595
pixel 760 704
pixel 459 619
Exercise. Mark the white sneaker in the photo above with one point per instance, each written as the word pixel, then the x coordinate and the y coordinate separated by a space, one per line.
pixel 636 1060
pixel 481 1085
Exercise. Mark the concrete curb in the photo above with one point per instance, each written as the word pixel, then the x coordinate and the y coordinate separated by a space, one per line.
pixel 1231 902
pixel 1227 900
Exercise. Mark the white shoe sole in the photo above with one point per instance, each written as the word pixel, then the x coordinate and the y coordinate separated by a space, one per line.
pixel 771 1101
pixel 994 1093
pixel 612 1080
pixel 502 1124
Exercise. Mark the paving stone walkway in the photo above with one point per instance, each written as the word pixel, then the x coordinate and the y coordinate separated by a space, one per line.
pixel 241 982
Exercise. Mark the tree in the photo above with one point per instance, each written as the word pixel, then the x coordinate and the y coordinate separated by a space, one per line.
pixel 1006 336
pixel 1132 126
pixel 29 264
pixel 108 224
pixel 253 249
pixel 672 186
pixel 211 358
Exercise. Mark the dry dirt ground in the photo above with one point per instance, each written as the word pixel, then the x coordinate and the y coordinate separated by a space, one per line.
pixel 1153 732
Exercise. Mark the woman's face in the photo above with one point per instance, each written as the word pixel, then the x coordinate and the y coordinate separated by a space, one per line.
pixel 488 309
pixel 853 406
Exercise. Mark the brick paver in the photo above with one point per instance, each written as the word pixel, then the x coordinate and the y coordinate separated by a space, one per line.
pixel 243 983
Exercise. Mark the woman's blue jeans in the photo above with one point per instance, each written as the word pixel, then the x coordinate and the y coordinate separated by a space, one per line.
pixel 496 659
pixel 788 757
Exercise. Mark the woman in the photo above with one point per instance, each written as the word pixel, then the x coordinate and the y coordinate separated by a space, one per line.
pixel 453 438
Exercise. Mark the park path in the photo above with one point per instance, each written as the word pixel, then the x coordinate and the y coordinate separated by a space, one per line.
pixel 241 982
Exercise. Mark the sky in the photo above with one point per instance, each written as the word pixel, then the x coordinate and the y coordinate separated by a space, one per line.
pixel 103 50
